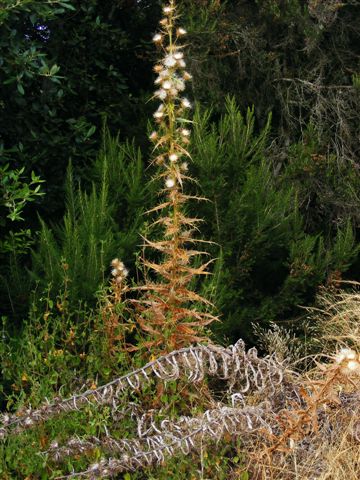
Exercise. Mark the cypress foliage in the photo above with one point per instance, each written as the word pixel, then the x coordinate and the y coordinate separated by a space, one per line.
pixel 270 260
pixel 96 224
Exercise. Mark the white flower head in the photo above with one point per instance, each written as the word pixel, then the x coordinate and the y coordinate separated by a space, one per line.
pixel 168 9
pixel 187 76
pixel 173 157
pixel 185 103
pixel 184 166
pixel 153 136
pixel 115 262
pixel 161 94
pixel 157 38
pixel 169 61
pixel 178 55
pixel 185 132
pixel 353 365
pixel 345 354
pixel 167 84
pixel 181 63
pixel 181 31
pixel 179 84
pixel 164 73
pixel 158 115
pixel 170 183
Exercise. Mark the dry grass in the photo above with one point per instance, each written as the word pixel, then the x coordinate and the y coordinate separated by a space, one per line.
pixel 337 319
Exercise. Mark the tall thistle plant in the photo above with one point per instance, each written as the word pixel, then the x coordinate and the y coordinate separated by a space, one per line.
pixel 170 312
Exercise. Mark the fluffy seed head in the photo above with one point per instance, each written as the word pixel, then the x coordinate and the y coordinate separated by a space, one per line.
pixel 168 9
pixel 161 94
pixel 185 103
pixel 181 31
pixel 164 73
pixel 170 183
pixel 179 84
pixel 116 263
pixel 167 85
pixel 157 38
pixel 169 61
pixel 153 136
pixel 353 365
pixel 173 157
pixel 345 354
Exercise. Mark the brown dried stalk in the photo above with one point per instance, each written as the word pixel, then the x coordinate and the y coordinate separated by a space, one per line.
pixel 114 327
pixel 167 311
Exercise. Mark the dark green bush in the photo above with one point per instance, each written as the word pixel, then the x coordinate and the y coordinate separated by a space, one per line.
pixel 274 251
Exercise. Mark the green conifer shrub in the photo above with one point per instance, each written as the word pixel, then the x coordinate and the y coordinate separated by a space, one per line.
pixel 271 261
pixel 96 224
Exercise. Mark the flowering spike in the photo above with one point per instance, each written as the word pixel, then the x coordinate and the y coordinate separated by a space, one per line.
pixel 165 310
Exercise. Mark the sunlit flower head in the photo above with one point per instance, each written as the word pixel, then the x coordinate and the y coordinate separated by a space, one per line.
pixel 345 354
pixel 161 94
pixel 179 84
pixel 181 31
pixel 158 115
pixel 353 365
pixel 185 132
pixel 173 157
pixel 118 264
pixel 153 136
pixel 157 38
pixel 169 61
pixel 170 183
pixel 168 9
pixel 185 103
pixel 167 84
